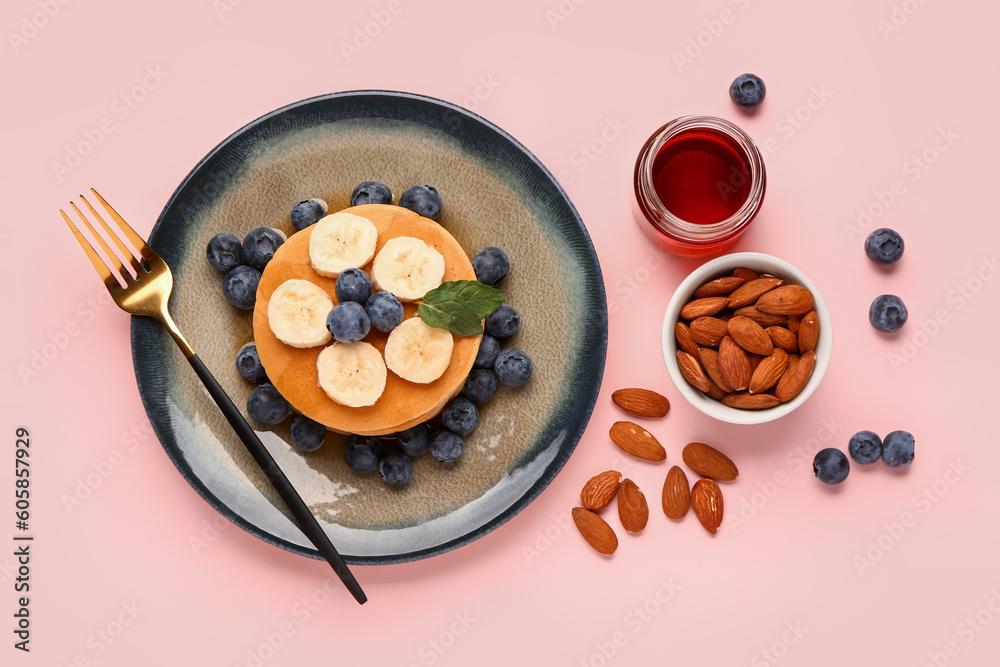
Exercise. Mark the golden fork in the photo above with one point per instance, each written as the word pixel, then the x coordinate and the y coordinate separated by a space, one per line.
pixel 146 291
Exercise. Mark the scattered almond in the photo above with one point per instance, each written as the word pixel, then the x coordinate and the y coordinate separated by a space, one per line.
pixel 750 336
pixel 719 287
pixel 751 292
pixel 809 331
pixel 676 494
pixel 637 441
pixel 704 307
pixel 763 319
pixel 595 530
pixel 644 403
pixel 796 377
pixel 691 370
pixel 769 371
pixel 746 274
pixel 709 331
pixel 683 335
pixel 747 401
pixel 783 338
pixel 706 501
pixel 710 362
pixel 786 300
pixel 632 508
pixel 733 364
pixel 708 461
pixel 601 490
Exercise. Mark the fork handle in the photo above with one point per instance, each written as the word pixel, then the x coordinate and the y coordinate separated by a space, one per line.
pixel 305 519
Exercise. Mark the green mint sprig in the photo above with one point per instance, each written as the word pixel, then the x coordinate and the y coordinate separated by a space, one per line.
pixel 459 306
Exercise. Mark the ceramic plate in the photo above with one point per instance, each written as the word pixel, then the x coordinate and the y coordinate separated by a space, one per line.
pixel 495 193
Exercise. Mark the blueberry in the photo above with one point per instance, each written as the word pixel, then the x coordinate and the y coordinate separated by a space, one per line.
pixel 414 441
pixel 395 468
pixel 480 385
pixel 371 192
pixel 460 416
pixel 884 246
pixel 831 466
pixel 422 200
pixel 266 405
pixel 307 434
pixel 489 348
pixel 384 310
pixel 260 245
pixel 248 363
pixel 747 91
pixel 513 367
pixel 898 449
pixel 240 286
pixel 491 265
pixel 865 447
pixel 224 252
pixel 887 313
pixel 353 285
pixel 447 446
pixel 307 213
pixel 362 453
pixel 503 321
pixel 348 322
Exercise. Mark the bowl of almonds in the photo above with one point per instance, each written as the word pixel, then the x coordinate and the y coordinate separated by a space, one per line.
pixel 747 338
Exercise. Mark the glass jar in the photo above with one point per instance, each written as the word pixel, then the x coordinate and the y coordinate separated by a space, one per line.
pixel 699 182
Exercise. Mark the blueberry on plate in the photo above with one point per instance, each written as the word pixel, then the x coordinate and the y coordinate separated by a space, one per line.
pixel 502 322
pixel 266 405
pixel 884 246
pixel 865 447
pixel 415 441
pixel 480 385
pixel 897 449
pixel 361 453
pixel 489 348
pixel 307 434
pixel 353 285
pixel 831 466
pixel 348 322
pixel 491 265
pixel 395 468
pixel 887 313
pixel 307 213
pixel 384 310
pixel 513 367
pixel 260 245
pixel 224 252
pixel 240 286
pixel 248 363
pixel 747 91
pixel 423 200
pixel 460 416
pixel 446 446
pixel 371 192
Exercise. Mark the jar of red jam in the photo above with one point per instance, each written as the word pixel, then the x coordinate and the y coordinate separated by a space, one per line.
pixel 699 182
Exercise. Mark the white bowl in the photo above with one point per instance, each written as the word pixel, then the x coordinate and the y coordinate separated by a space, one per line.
pixel 723 266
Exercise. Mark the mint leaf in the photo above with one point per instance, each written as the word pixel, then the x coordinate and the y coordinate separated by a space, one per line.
pixel 459 306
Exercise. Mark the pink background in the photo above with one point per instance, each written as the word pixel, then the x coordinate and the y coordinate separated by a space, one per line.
pixel 784 579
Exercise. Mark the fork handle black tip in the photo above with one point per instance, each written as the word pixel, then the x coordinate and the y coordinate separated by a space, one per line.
pixel 304 518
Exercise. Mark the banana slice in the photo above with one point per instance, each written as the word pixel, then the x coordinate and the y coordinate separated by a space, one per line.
pixel 417 352
pixel 352 374
pixel 297 314
pixel 341 241
pixel 408 267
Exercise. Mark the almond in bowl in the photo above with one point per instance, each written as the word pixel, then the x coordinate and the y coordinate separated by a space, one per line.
pixel 747 338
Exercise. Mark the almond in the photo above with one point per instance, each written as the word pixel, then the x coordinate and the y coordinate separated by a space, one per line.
pixel 595 530
pixel 692 371
pixel 750 336
pixel 751 292
pixel 746 401
pixel 708 461
pixel 708 331
pixel 763 319
pixel 746 274
pixel 601 489
pixel 719 287
pixel 793 323
pixel 637 441
pixel 683 335
pixel 676 494
pixel 710 362
pixel 632 508
pixel 783 338
pixel 714 391
pixel 733 364
pixel 706 501
pixel 703 307
pixel 754 361
pixel 796 377
pixel 786 300
pixel 644 403
pixel 809 331
pixel 769 372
